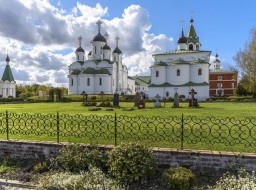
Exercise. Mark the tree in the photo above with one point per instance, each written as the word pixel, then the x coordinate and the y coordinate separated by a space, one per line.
pixel 246 61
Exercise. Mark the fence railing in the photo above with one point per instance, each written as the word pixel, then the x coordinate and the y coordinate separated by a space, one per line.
pixel 173 131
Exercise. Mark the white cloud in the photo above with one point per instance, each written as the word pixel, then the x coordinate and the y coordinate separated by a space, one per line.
pixel 39 37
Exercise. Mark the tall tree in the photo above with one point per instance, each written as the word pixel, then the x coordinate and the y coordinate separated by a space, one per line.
pixel 246 61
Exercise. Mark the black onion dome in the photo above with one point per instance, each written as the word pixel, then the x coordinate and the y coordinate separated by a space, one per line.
pixel 80 49
pixel 183 39
pixel 106 47
pixel 7 59
pixel 99 38
pixel 117 50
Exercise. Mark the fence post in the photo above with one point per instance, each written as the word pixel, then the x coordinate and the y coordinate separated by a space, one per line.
pixel 7 125
pixel 58 127
pixel 182 132
pixel 115 130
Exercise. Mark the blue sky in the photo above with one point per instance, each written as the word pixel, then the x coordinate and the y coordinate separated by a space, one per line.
pixel 41 35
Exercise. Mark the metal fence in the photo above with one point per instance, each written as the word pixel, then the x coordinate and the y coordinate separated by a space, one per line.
pixel 175 132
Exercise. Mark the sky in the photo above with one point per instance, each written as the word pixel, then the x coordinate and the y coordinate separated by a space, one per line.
pixel 40 36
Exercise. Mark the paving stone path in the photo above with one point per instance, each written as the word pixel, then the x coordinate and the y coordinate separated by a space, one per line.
pixel 15 185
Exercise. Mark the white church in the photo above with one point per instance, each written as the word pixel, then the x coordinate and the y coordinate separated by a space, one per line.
pixel 185 68
pixel 7 83
pixel 101 71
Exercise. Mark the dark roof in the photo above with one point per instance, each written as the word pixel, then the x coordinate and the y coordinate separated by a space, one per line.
pixel 75 72
pixel 106 47
pixel 90 70
pixel 166 84
pixel 7 74
pixel 7 58
pixel 99 38
pixel 80 49
pixel 90 53
pixel 117 50
pixel 182 39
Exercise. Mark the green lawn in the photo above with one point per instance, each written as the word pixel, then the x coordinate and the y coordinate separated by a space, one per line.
pixel 155 127
pixel 218 109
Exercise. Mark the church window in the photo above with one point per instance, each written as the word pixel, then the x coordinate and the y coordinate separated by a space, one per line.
pixel 113 82
pixel 199 71
pixel 219 77
pixel 178 72
pixel 88 82
pixel 95 50
pixel 72 82
pixel 157 73
pixel 167 94
pixel 78 57
pixel 190 47
pixel 100 81
pixel 197 47
pixel 219 85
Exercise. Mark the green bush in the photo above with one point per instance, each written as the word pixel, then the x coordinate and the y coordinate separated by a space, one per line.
pixel 179 178
pixel 87 103
pixel 94 179
pixel 76 158
pixel 40 167
pixel 132 162
pixel 105 104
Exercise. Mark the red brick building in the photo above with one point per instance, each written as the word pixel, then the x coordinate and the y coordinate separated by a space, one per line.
pixel 221 82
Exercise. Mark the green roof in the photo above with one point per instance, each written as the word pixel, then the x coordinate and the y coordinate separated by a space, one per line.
pixel 182 52
pixel 166 84
pixel 7 75
pixel 93 71
pixel 161 63
pixel 222 71
pixel 75 72
pixel 141 80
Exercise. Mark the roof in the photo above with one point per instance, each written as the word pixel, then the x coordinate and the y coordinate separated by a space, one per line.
pixel 75 72
pixel 182 39
pixel 182 52
pixel 141 80
pixel 222 71
pixel 166 84
pixel 7 75
pixel 80 49
pixel 7 58
pixel 106 47
pixel 99 38
pixel 117 50
pixel 93 71
pixel 191 36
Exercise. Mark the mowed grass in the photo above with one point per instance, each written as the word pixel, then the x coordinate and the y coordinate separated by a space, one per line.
pixel 207 109
pixel 103 133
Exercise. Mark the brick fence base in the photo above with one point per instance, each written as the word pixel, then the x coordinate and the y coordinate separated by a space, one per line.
pixel 203 162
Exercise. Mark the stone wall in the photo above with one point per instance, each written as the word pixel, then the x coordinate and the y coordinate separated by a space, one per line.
pixel 203 162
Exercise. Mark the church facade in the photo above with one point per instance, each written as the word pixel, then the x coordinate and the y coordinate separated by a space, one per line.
pixel 102 71
pixel 7 83
pixel 181 70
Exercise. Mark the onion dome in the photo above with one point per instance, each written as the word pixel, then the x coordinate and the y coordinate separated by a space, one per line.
pixel 80 49
pixel 216 58
pixel 106 47
pixel 7 58
pixel 117 50
pixel 99 38
pixel 182 39
pixel 90 53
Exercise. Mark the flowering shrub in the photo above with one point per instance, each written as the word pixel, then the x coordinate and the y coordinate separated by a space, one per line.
pixel 94 179
pixel 243 181
pixel 179 178
pixel 131 162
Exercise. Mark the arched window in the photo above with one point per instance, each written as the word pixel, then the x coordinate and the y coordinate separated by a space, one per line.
pixel 100 81
pixel 72 82
pixel 197 47
pixel 199 71
pixel 190 47
pixel 167 94
pixel 88 81
pixel 157 73
pixel 78 57
pixel 178 72
pixel 95 49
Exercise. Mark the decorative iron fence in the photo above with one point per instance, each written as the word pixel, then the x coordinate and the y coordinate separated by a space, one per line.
pixel 175 132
